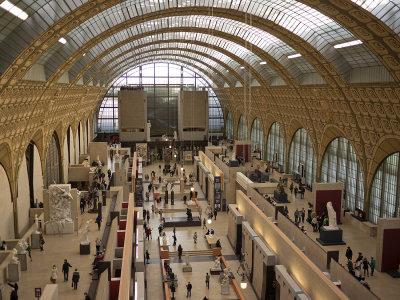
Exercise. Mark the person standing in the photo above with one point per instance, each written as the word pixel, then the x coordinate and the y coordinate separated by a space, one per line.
pixel 295 192
pixel 148 218
pixel 291 188
pixel 204 222
pixel 180 250
pixel 174 230
pixel 303 214
pixel 14 292
pixel 172 287
pixel 195 237
pixel 65 269
pixel 207 281
pixel 215 214
pixel 82 206
pixel 98 245
pixel 98 221
pixel 86 296
pixel 296 215
pixel 372 265
pixel 349 253
pixel 147 256
pixel 75 279
pixel 189 289
pixel 174 237
pixel 41 241
pixel 53 276
pixel 366 266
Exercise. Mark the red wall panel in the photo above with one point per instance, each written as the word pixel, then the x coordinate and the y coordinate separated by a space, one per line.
pixel 122 224
pixel 391 249
pixel 323 197
pixel 120 238
pixel 114 288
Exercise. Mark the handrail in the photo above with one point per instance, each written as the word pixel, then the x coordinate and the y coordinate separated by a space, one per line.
pixel 235 284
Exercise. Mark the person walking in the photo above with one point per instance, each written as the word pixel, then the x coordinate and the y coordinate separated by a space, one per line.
pixel 349 253
pixel 41 242
pixel 180 250
pixel 174 230
pixel 82 206
pixel 86 296
pixel 173 289
pixel 295 192
pixel 207 281
pixel 75 279
pixel 303 214
pixel 189 289
pixel 148 218
pixel 98 221
pixel 215 215
pixel 147 256
pixel 65 269
pixel 204 222
pixel 98 244
pixel 291 188
pixel 144 214
pixel 29 249
pixel 365 266
pixel 53 276
pixel 174 237
pixel 195 237
pixel 372 265
pixel 14 292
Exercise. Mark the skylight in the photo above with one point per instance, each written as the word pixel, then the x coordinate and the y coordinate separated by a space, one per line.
pixel 62 40
pixel 16 11
pixel 263 63
pixel 348 44
pixel 294 55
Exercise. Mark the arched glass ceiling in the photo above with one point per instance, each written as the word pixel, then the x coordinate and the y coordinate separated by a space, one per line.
pixel 183 47
pixel 188 63
pixel 388 11
pixel 198 59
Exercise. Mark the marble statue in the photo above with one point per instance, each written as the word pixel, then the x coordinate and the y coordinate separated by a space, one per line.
pixel 175 136
pixel 86 163
pixel 99 164
pixel 190 202
pixel 84 231
pixel 164 239
pixel 331 217
pixel 14 259
pixel 22 246
pixel 225 276
pixel 37 223
pixel 60 209
pixel 217 264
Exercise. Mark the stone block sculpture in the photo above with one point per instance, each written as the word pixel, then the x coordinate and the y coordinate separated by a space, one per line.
pixel 60 200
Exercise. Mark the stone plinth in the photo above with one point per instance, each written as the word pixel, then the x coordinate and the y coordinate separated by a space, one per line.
pixel 330 237
pixel 14 272
pixel 215 271
pixel 54 228
pixel 225 289
pixel 84 249
pixel 22 261
pixel 35 240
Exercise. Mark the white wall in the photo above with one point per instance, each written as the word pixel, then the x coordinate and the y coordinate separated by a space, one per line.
pixel 23 201
pixel 7 217
pixel 65 159
pixel 76 139
pixel 37 176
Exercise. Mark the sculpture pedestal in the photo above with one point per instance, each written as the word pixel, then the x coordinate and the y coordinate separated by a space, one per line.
pixel 54 228
pixel 187 268
pixel 14 271
pixel 215 271
pixel 22 261
pixel 84 249
pixel 35 240
pixel 225 289
pixel 329 237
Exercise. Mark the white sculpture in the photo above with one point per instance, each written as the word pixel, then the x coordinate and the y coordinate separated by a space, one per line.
pixel 175 136
pixel 190 202
pixel 164 239
pixel 60 210
pixel 84 231
pixel 217 264
pixel 86 163
pixel 37 223
pixel 225 278
pixel 332 217
pixel 22 246
pixel 14 259
pixel 99 164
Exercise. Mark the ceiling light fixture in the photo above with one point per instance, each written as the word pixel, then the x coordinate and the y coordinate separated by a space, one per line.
pixel 242 67
pixel 348 44
pixel 62 40
pixel 294 55
pixel 13 9
pixel 83 54
pixel 263 63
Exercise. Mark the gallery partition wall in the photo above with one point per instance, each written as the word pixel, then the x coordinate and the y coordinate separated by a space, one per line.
pixel 257 138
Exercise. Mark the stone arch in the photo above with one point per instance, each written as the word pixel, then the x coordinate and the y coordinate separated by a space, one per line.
pixel 53 171
pixel 6 204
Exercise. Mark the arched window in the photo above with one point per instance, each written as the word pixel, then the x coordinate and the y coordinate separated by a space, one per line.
pixel 242 129
pixel 301 156
pixel 162 82
pixel 276 145
pixel 385 194
pixel 229 127
pixel 53 162
pixel 340 164
pixel 257 138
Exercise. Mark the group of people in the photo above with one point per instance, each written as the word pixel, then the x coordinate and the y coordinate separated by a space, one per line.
pixel 65 269
pixel 361 263
pixel 301 190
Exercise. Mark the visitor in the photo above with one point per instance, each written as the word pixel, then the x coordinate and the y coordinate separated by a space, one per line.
pixel 207 281
pixel 172 287
pixel 295 192
pixel 296 215
pixel 291 188
pixel 75 279
pixel 350 266
pixel 53 276
pixel 152 209
pixel 195 237
pixel 189 289
pixel 14 292
pixel 184 199
pixel 326 221
pixel 160 228
pixel 65 269
pixel 215 214
pixel 98 244
pixel 204 223
pixel 303 214
pixel 144 214
pixel 148 218
pixel 147 256
pixel 174 237
pixel 365 266
pixel 357 271
pixel 218 244
pixel 314 223
pixel 286 211
pixel 360 256
pixel 180 251
pixel 212 231
pixel 29 249
pixel 349 253
pixel 86 296
pixel 372 265
pixel 41 242
pixel 82 206
pixel 98 221
pixel 3 246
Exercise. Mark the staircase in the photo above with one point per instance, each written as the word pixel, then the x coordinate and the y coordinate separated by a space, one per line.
pixel 208 252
